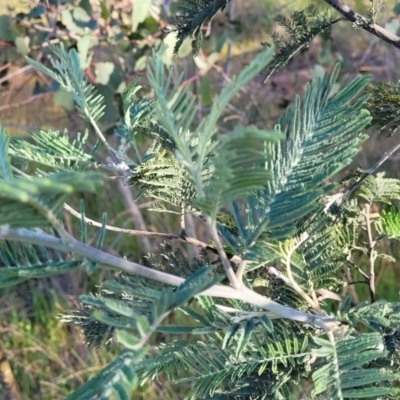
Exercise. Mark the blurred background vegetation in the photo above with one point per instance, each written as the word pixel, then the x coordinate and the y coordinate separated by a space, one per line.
pixel 114 38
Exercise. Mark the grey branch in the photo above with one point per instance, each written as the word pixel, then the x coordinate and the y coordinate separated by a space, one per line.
pixel 130 204
pixel 110 261
pixel 364 23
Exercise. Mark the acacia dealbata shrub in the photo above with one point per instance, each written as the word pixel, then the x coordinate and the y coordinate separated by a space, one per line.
pixel 262 301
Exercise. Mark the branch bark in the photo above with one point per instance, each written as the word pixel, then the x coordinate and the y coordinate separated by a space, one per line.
pixel 364 23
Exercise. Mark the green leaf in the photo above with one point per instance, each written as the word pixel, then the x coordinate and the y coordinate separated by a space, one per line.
pixel 110 113
pixel 85 4
pixel 8 31
pixel 347 363
pixel 127 339
pixel 64 99
pixel 22 45
pixel 84 44
pixel 77 20
pixel 205 91
pixel 105 14
pixel 196 283
pixel 207 127
pixel 140 11
pixel 103 71
pixel 245 336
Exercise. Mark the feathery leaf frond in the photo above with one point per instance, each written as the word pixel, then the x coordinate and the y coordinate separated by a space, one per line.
pixel 379 189
pixel 384 105
pixel 215 370
pixel 117 378
pixel 302 27
pixel 21 262
pixel 192 15
pixel 120 311
pixel 318 125
pixel 175 109
pixel 344 369
pixel 53 149
pixel 69 74
pixel 390 223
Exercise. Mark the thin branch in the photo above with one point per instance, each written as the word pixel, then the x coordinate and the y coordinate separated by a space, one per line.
pixel 328 294
pixel 120 264
pixel 5 66
pixel 132 232
pixel 224 259
pixel 356 283
pixel 131 205
pixel 15 73
pixel 364 23
pixel 240 270
pixel 371 253
pixel 323 293
pixel 100 135
pixel 246 315
pixel 24 102
pixel 166 236
pixel 292 282
pixel 359 270
pixel 350 288
pixel 151 330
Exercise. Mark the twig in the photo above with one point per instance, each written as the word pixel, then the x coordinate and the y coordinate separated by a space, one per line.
pixel 323 293
pixel 364 23
pixel 24 102
pixel 15 73
pixel 65 35
pixel 350 288
pixel 367 52
pixel 167 236
pixel 190 230
pixel 240 270
pixel 235 282
pixel 100 135
pixel 131 205
pixel 356 283
pixel 292 283
pixel 131 232
pixel 327 294
pixel 5 66
pixel 359 270
pixel 371 253
pixel 120 264
pixel 387 155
